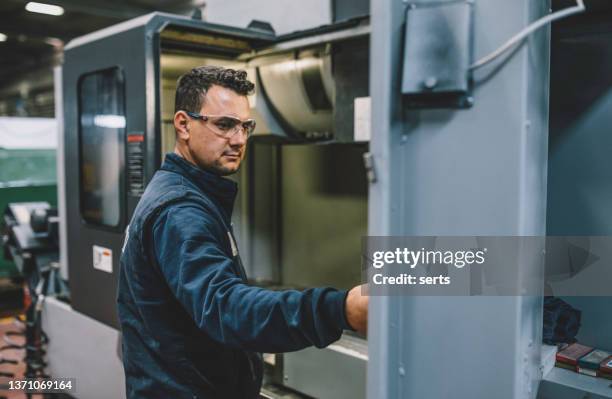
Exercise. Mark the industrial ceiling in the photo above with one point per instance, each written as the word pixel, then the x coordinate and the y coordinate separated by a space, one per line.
pixel 31 43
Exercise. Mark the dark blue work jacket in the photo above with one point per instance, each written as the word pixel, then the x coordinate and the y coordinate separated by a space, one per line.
pixel 192 326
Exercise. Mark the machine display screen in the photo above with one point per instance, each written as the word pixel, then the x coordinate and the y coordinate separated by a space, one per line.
pixel 102 126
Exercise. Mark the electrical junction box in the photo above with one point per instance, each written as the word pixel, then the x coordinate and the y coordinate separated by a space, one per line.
pixel 438 47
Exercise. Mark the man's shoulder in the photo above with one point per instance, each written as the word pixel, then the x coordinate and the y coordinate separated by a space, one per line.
pixel 170 199
pixel 186 220
pixel 163 188
pixel 168 183
pixel 167 186
pixel 164 180
pixel 169 191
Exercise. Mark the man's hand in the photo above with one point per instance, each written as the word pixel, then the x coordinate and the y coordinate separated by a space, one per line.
pixel 356 309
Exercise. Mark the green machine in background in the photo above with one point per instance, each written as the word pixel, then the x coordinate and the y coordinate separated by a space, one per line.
pixel 27 166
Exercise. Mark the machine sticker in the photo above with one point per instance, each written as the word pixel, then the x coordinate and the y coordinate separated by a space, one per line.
pixel 362 117
pixel 103 259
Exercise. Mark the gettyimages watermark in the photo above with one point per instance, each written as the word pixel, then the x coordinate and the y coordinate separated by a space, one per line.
pixel 488 266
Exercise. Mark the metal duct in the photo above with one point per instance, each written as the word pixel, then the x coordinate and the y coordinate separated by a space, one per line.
pixel 302 91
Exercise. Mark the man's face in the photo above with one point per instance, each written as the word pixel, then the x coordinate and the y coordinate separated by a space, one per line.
pixel 210 150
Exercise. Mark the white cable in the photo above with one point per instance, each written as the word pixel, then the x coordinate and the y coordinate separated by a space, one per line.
pixel 578 8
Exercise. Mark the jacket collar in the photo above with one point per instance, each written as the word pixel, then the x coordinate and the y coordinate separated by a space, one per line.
pixel 221 189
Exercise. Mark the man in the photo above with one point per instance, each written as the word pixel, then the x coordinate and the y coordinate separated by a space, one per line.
pixel 192 326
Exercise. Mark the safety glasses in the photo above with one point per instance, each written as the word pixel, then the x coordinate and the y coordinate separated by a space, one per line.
pixel 224 125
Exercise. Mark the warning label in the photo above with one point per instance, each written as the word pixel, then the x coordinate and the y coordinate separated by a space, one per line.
pixel 103 259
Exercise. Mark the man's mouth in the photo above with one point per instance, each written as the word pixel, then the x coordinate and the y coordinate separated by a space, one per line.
pixel 232 155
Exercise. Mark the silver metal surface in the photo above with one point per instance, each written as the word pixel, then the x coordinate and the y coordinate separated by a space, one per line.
pixel 61 175
pixel 284 85
pixel 106 32
pixel 480 171
pixel 336 372
pixel 566 384
pixel 83 349
pixel 311 41
pixel 284 16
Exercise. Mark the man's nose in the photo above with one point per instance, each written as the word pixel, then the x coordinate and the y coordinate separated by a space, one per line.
pixel 239 138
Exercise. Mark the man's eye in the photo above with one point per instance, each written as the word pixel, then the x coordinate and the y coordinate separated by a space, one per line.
pixel 225 124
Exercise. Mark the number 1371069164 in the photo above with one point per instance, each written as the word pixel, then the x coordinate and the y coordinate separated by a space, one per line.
pixel 35 385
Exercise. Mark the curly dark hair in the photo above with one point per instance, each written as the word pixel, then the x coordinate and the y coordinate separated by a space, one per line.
pixel 192 86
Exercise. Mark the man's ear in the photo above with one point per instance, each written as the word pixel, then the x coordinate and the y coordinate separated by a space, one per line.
pixel 181 125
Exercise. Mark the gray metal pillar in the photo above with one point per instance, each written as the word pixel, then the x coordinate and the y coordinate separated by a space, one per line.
pixel 480 171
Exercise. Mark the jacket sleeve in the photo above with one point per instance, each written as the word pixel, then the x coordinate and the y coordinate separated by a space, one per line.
pixel 188 247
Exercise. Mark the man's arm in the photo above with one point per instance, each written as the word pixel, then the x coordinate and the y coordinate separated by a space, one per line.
pixel 188 248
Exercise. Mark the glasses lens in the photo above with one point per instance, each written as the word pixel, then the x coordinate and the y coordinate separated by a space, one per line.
pixel 249 127
pixel 225 124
